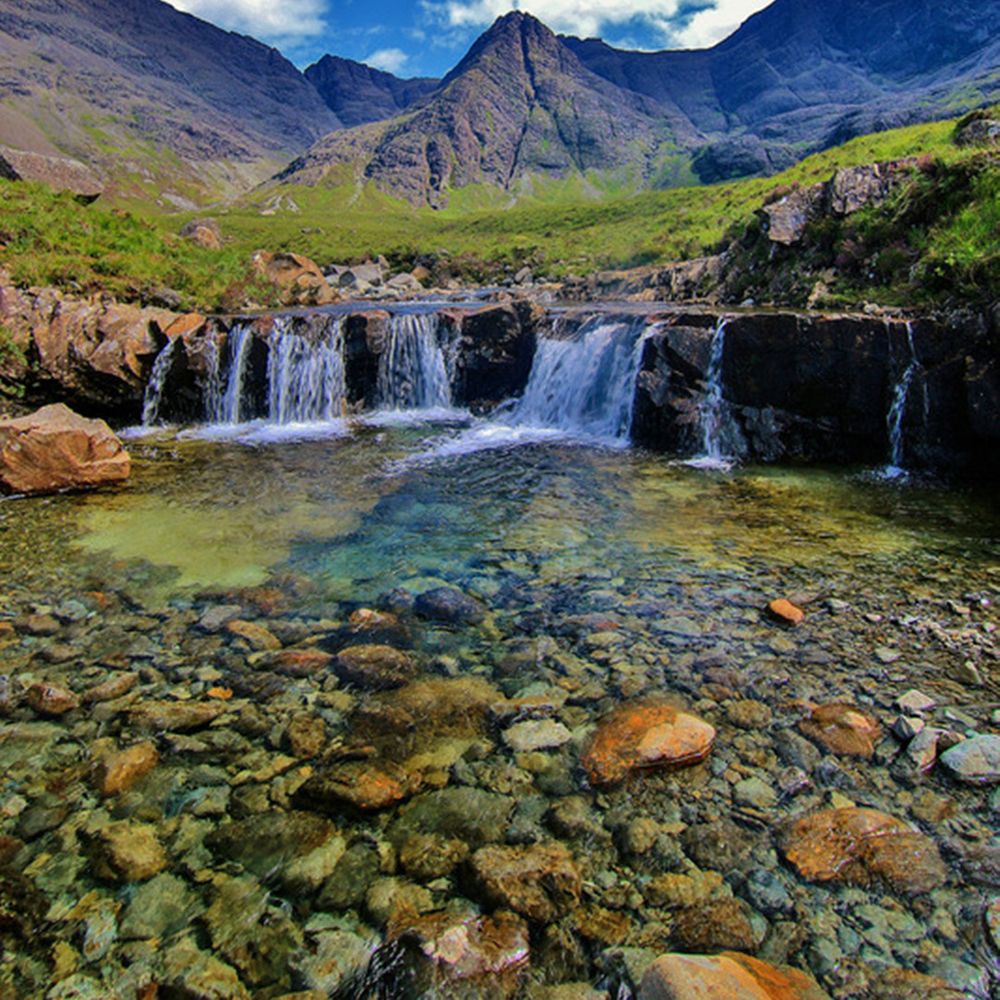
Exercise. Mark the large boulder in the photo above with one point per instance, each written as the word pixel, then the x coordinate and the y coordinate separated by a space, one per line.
pixel 729 976
pixel 298 279
pixel 56 449
pixel 59 172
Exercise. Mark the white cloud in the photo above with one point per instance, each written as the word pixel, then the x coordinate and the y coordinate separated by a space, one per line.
pixel 390 60
pixel 275 21
pixel 585 18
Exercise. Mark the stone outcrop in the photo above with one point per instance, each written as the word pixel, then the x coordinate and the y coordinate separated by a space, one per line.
pixel 298 279
pixel 56 449
pixel 58 172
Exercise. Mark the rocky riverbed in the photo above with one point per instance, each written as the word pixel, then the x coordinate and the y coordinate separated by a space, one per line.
pixel 514 724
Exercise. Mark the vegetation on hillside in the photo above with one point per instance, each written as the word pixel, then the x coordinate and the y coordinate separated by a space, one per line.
pixel 938 237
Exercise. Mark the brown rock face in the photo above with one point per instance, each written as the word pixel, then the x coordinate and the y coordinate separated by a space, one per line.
pixel 842 729
pixel 118 772
pixel 374 668
pixel 55 449
pixel 645 734
pixel 541 882
pixel 298 279
pixel 59 172
pixel 861 847
pixel 729 976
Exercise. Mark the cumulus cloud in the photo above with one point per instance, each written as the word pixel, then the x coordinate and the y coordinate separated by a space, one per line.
pixel 274 21
pixel 390 60
pixel 671 21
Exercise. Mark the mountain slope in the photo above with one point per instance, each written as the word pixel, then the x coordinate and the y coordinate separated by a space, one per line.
pixel 358 94
pixel 519 103
pixel 807 74
pixel 150 94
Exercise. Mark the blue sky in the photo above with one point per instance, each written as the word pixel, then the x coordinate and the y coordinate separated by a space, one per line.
pixel 427 37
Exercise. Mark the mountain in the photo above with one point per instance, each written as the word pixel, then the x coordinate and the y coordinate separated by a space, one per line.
pixel 358 94
pixel 157 98
pixel 802 75
pixel 520 103
pixel 797 77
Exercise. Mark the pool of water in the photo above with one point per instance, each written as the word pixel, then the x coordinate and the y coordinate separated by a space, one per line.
pixel 605 577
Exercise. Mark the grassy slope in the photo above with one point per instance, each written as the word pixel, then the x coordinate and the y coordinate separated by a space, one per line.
pixel 573 226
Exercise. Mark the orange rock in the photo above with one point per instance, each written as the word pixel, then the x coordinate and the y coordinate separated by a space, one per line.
pixel 118 772
pixel 785 612
pixel 861 847
pixel 256 635
pixel 220 693
pixel 114 687
pixel 729 976
pixel 842 729
pixel 184 326
pixel 645 734
pixel 360 785
pixel 375 667
pixel 300 662
pixel 55 449
pixel 47 699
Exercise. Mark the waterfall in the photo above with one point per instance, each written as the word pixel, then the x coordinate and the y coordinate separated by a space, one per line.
pixel 157 381
pixel 413 371
pixel 719 434
pixel 224 408
pixel 585 384
pixel 897 410
pixel 306 379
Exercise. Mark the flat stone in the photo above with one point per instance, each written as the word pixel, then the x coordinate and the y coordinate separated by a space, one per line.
pixel 374 668
pixel 541 734
pixel 541 882
pixel 915 702
pixel 51 701
pixel 113 688
pixel 645 734
pixel 365 786
pixel 118 772
pixel 160 907
pixel 755 792
pixel 127 852
pixel 729 976
pixel 843 730
pixel 300 662
pixel 175 716
pixel 259 638
pixel 862 847
pixel 786 613
pixel 975 761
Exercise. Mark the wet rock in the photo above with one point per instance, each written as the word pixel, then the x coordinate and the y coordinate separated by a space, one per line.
pixel 215 618
pixel 748 714
pixel 756 793
pixel 472 815
pixel 645 734
pixel 54 449
pixel 39 625
pixel 445 604
pixel 162 906
pixel 174 716
pixel 350 880
pixel 306 735
pixel 862 847
pixel 536 734
pixel 300 662
pixel 721 844
pixel 50 701
pixel 113 688
pixel 729 976
pixel 785 613
pixel 335 959
pixel 126 852
pixel 719 925
pixel 389 900
pixel 360 786
pixel 843 730
pixel 195 975
pixel 256 635
pixel 463 948
pixel 374 668
pixel 992 920
pixel 118 772
pixel 425 856
pixel 975 761
pixel 541 882
pixel 378 626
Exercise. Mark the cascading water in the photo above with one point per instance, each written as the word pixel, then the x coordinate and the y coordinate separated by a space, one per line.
pixel 157 382
pixel 719 434
pixel 413 370
pixel 225 407
pixel 306 379
pixel 897 411
pixel 585 384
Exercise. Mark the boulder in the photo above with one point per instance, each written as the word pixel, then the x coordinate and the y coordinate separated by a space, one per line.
pixel 645 734
pixel 58 172
pixel 298 280
pixel 729 976
pixel 56 449
pixel 448 605
pixel 843 730
pixel 862 847
pixel 205 233
pixel 374 667
pixel 541 882
pixel 975 761
pixel 788 218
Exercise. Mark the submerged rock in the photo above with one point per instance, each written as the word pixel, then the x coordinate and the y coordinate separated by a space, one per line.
pixel 843 730
pixel 55 449
pixel 127 852
pixel 862 847
pixel 445 604
pixel 729 976
pixel 786 613
pixel 374 668
pixel 645 734
pixel 360 786
pixel 541 882
pixel 118 772
pixel 50 700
